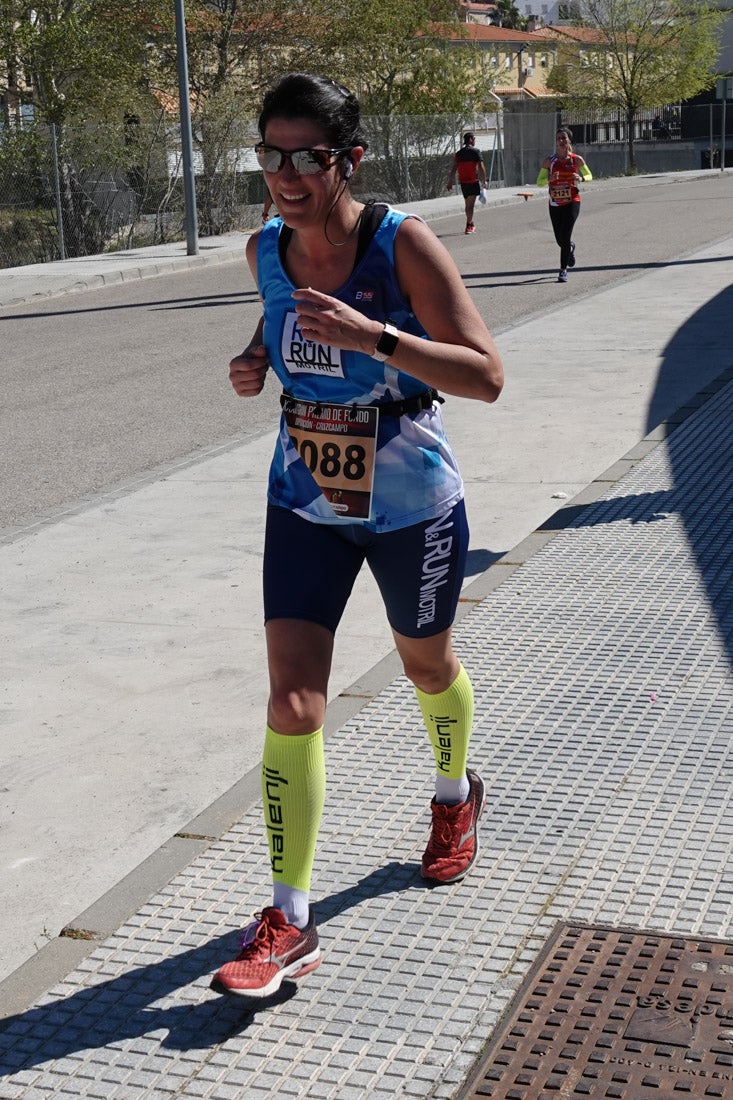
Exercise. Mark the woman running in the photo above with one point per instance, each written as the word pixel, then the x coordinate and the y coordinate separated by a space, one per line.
pixel 562 172
pixel 365 318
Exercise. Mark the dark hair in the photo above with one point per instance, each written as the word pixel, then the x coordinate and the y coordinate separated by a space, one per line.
pixel 565 130
pixel 320 99
pixel 468 137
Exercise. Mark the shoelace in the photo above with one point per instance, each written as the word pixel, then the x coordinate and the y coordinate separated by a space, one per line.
pixel 257 930
pixel 442 834
pixel 444 842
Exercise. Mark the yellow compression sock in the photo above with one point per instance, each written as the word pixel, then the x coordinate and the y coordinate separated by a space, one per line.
pixel 449 718
pixel 293 794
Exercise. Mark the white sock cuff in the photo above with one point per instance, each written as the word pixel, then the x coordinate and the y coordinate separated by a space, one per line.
pixel 294 903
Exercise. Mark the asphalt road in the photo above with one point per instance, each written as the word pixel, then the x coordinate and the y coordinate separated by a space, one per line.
pixel 106 387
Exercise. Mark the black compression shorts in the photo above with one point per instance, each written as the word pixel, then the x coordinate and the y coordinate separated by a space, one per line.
pixel 310 569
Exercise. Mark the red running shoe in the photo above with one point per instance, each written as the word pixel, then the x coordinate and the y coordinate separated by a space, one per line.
pixel 470 228
pixel 272 950
pixel 453 844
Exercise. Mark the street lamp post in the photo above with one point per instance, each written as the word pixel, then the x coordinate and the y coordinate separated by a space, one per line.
pixel 723 136
pixel 189 179
pixel 520 53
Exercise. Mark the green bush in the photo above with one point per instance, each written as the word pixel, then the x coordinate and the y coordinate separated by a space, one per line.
pixel 27 237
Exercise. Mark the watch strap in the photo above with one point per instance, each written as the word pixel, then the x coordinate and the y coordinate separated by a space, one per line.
pixel 387 343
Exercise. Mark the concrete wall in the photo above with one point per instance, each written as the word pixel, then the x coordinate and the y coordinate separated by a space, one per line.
pixel 612 159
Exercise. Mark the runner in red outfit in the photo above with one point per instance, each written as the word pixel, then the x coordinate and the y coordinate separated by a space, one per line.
pixel 562 172
pixel 469 165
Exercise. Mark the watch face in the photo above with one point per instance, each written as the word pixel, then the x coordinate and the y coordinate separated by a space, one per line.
pixel 387 342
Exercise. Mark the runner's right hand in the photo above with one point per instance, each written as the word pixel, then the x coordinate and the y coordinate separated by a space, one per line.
pixel 247 371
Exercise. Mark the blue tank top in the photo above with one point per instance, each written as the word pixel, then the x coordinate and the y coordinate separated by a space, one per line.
pixel 416 475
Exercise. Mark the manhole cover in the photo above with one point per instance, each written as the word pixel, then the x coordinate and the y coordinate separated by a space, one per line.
pixel 607 1012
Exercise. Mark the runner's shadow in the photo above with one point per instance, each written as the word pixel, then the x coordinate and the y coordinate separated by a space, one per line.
pixel 392 878
pixel 123 1008
pixel 137 1002
pixel 478 561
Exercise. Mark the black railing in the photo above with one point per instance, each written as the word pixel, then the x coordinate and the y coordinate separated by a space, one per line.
pixel 606 127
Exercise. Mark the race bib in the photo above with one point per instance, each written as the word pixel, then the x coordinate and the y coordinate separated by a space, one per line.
pixel 303 356
pixel 561 192
pixel 338 444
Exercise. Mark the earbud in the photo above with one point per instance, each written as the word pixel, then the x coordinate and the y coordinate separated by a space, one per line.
pixel 348 169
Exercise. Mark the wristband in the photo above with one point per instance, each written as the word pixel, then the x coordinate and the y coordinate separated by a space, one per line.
pixel 387 343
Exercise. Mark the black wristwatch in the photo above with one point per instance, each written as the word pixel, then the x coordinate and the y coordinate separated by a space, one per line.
pixel 387 343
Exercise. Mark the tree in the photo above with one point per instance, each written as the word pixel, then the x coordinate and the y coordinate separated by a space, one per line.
pixel 510 15
pixel 408 64
pixel 73 62
pixel 115 61
pixel 407 59
pixel 235 49
pixel 645 53
pixel 80 59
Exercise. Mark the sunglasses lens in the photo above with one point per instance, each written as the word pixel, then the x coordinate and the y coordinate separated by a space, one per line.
pixel 270 160
pixel 307 162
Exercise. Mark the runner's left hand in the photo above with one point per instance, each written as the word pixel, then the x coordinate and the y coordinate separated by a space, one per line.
pixel 325 320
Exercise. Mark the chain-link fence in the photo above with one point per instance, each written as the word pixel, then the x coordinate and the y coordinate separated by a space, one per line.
pixel 78 191
pixel 75 191
pixel 85 190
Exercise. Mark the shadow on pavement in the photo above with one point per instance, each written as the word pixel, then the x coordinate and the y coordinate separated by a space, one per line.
pixel 197 301
pixel 699 352
pixel 703 475
pixel 539 274
pixel 478 561
pixel 124 1008
pixel 699 357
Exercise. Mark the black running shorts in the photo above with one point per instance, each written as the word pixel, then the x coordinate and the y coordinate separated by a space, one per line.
pixel 310 569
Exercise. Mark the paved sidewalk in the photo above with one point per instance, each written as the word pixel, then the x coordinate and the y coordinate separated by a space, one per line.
pixel 604 702
pixel 600 651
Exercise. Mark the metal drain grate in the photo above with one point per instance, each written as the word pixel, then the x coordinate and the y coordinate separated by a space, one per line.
pixel 607 1012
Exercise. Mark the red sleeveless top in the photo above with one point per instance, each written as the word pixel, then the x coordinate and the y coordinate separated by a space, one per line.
pixel 562 185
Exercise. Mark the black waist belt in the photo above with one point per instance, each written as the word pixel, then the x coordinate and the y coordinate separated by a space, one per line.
pixel 407 407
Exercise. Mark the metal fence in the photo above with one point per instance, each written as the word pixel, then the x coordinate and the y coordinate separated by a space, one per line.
pixel 697 122
pixel 77 191
pixel 85 190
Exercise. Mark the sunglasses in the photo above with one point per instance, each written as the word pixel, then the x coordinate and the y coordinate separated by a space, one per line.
pixel 306 162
